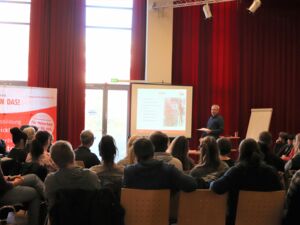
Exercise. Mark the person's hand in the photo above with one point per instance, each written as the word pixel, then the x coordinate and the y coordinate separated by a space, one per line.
pixel 11 178
pixel 17 180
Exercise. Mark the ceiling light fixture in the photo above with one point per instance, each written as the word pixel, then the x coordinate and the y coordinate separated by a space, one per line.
pixel 254 6
pixel 207 12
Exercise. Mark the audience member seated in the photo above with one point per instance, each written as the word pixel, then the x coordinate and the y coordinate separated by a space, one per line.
pixel 269 157
pixel 36 165
pixel 179 149
pixel 130 157
pixel 224 145
pixel 68 175
pixel 210 167
pixel 19 139
pixel 292 205
pixel 83 152
pixel 250 173
pixel 86 207
pixel 23 127
pixel 161 141
pixel 109 173
pixel 294 163
pixel 287 149
pixel 27 189
pixel 30 132
pixel 42 139
pixel 3 152
pixel 149 173
pixel 280 142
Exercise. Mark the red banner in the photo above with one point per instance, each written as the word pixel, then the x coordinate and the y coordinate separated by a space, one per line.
pixel 25 105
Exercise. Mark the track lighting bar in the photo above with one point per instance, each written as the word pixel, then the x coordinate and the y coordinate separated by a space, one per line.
pixel 181 3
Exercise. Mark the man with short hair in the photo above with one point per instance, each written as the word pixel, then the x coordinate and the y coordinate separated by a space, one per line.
pixel 161 141
pixel 83 152
pixel 149 173
pixel 280 142
pixel 215 123
pixel 287 151
pixel 68 175
pixel 269 157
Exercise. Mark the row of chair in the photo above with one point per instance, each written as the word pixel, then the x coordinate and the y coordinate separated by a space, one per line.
pixel 201 207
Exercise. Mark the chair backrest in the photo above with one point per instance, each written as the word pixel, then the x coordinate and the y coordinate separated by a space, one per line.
pixel 82 207
pixel 202 207
pixel 260 208
pixel 145 207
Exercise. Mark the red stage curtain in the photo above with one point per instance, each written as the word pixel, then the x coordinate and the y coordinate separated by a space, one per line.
pixel 240 61
pixel 187 45
pixel 138 40
pixel 201 58
pixel 269 64
pixel 57 59
pixel 225 63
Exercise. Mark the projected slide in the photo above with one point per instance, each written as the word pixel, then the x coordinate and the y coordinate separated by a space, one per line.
pixel 161 107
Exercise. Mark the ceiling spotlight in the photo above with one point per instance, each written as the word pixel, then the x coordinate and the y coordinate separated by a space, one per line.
pixel 254 6
pixel 207 12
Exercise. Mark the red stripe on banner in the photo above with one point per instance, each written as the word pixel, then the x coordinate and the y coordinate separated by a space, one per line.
pixel 44 119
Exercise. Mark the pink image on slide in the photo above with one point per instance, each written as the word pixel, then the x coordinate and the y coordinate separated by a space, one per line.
pixel 173 112
pixel 43 121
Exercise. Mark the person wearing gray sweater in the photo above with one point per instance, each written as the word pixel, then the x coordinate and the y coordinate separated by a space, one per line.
pixel 68 175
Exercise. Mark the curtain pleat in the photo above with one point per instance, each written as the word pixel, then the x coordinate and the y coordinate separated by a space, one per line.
pixel 138 40
pixel 57 59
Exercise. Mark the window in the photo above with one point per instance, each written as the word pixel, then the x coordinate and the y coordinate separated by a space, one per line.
pixel 108 44
pixel 108 40
pixel 14 39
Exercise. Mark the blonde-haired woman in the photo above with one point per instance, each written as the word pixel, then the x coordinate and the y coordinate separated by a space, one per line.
pixel 30 131
pixel 130 156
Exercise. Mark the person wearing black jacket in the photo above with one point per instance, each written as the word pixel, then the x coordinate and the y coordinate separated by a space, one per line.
pixel 280 142
pixel 288 147
pixel 149 173
pixel 215 123
pixel 265 144
pixel 83 152
pixel 19 138
pixel 250 174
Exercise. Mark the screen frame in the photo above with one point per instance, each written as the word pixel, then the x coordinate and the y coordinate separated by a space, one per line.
pixel 133 109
